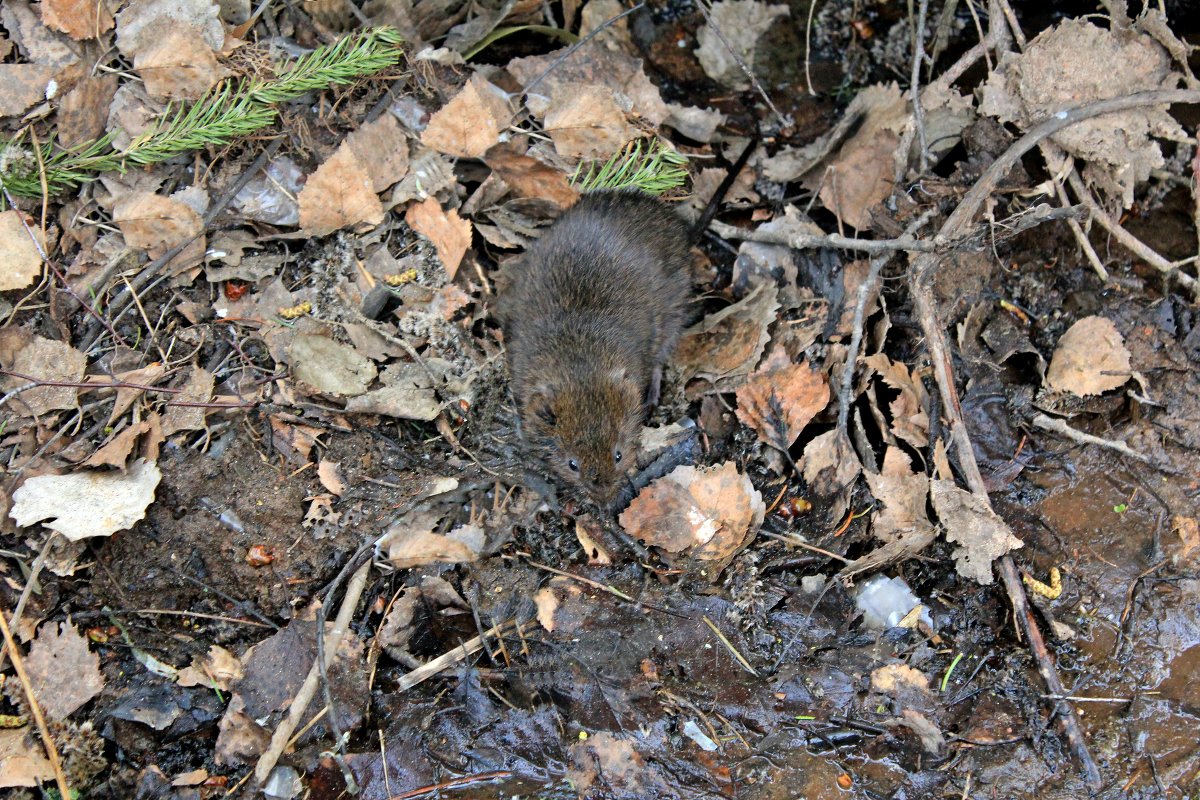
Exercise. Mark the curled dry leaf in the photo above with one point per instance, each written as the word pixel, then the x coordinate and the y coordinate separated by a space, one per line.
pixel 87 503
pixel 338 195
pixel 450 233
pixel 708 514
pixel 902 495
pixel 411 542
pixel 910 421
pixel 218 668
pixel 330 475
pixel 20 257
pixel 471 122
pixel 42 360
pixel 778 403
pixel 1091 359
pixel 968 521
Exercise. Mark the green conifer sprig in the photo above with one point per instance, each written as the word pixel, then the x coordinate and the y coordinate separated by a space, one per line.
pixel 656 169
pixel 231 111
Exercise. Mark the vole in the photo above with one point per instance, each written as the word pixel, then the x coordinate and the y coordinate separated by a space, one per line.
pixel 593 310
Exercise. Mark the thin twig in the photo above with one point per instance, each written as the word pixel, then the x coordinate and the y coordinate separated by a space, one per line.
pixel 35 570
pixel 706 10
pixel 36 710
pixel 1061 427
pixel 914 89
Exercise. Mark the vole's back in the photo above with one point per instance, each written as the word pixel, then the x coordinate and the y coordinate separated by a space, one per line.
pixel 607 284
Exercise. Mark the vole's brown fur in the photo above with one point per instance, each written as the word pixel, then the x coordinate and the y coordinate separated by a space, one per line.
pixel 590 314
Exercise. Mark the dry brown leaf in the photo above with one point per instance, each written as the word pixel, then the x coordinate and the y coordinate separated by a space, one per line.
pixel 910 421
pixel 117 451
pixel 1188 530
pixel 39 359
pixel 142 23
pixel 903 495
pixel 330 475
pixel 1076 63
pixel 591 66
pixel 83 111
pixel 968 521
pixel 79 19
pixel 22 85
pixel 831 469
pixel 740 24
pixel 23 760
pixel 778 403
pixel 294 441
pixel 528 177
pixel 198 389
pixel 725 347
pixel 178 65
pixel 471 122
pixel 155 224
pixel 450 233
pixel 339 195
pixel 411 542
pixel 328 366
pixel 585 122
pixel 861 174
pixel 145 376
pixel 1091 359
pixel 64 673
pixel 218 669
pixel 709 514
pixel 381 147
pixel 20 259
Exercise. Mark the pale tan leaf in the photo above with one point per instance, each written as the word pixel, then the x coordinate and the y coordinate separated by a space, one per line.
pixel 585 122
pixel 968 521
pixel 63 672
pixel 20 259
pixel 179 417
pixel 471 122
pixel 450 233
pixel 87 503
pixel 339 195
pixel 40 360
pixel 1091 359
pixel 156 224
pixel 178 65
pixel 381 147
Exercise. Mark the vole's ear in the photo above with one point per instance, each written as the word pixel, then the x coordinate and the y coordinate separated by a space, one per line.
pixel 540 403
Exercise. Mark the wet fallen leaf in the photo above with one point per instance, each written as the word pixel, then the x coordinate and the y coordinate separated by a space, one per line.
pixel 968 521
pixel 63 672
pixel 741 24
pixel 20 259
pixel 585 122
pixel 610 761
pixel 778 403
pixel 1188 530
pixel 155 224
pixel 932 739
pixel 898 680
pixel 450 233
pixel 87 503
pixel 339 195
pixel 471 122
pixel 708 514
pixel 528 177
pixel 79 19
pixel 1091 359
pixel 42 360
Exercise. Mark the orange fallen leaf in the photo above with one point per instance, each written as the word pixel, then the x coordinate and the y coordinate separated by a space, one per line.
pixel 79 19
pixel 450 233
pixel 471 122
pixel 778 403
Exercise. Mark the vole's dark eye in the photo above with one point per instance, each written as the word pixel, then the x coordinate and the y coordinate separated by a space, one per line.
pixel 574 465
pixel 617 456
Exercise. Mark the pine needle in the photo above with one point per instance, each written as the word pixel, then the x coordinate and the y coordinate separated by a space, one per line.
pixel 229 112
pixel 655 169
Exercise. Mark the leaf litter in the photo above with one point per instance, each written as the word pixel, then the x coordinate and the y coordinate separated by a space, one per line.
pixel 258 368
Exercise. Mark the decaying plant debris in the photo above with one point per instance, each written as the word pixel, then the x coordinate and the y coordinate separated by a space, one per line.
pixel 916 516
